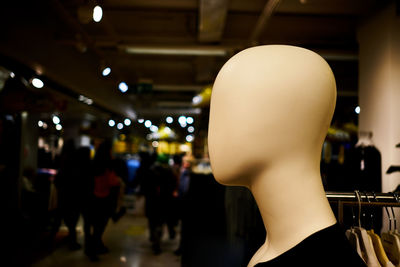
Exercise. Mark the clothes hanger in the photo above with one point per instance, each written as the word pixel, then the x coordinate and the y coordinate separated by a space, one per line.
pixel 353 237
pixel 396 197
pixel 377 242
pixel 371 213
pixel 391 242
pixel 395 231
pixel 367 247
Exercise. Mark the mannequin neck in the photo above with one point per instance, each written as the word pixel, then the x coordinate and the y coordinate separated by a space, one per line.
pixel 293 206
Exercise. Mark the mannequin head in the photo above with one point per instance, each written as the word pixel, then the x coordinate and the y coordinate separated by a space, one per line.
pixel 270 105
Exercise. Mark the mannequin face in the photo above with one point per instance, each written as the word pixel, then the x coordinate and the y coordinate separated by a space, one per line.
pixel 270 104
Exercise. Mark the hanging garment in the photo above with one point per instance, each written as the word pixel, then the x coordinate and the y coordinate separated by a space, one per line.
pixel 364 174
pixel 354 242
pixel 367 247
pixel 327 247
pixel 367 170
pixel 391 244
pixel 379 250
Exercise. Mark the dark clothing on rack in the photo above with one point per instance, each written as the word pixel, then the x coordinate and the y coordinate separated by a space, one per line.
pixel 245 227
pixel 361 170
pixel 327 247
pixel 366 175
pixel 367 170
pixel 203 224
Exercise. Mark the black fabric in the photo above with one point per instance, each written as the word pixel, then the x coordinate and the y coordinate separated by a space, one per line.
pixel 203 232
pixel 367 169
pixel 361 170
pixel 328 247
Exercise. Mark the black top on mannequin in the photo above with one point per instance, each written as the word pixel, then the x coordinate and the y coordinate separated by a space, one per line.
pixel 327 247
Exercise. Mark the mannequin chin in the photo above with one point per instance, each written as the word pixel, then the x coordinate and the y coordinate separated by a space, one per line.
pixel 271 107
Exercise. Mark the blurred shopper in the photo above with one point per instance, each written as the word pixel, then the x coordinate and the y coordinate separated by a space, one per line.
pixel 69 196
pixel 121 169
pixel 158 184
pixel 183 188
pixel 86 189
pixel 105 183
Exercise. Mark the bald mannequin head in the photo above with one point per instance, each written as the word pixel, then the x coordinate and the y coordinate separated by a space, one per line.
pixel 269 105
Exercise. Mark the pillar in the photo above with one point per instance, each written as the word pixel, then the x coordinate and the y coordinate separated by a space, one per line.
pixel 379 87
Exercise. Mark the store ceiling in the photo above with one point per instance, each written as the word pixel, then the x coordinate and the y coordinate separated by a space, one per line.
pixel 55 39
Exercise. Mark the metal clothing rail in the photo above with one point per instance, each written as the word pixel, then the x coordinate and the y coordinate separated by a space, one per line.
pixel 351 196
pixel 366 199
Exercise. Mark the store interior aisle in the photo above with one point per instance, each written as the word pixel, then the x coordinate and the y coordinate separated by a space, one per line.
pixel 129 246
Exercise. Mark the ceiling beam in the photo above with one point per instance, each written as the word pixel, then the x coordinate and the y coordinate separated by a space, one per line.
pixel 179 88
pixel 76 26
pixel 177 50
pixel 168 111
pixel 212 18
pixel 337 55
pixel 266 14
pixel 88 41
pixel 174 104
pixel 109 29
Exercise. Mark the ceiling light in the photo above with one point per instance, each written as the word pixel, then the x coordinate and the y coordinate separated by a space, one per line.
pixel 154 144
pixel 127 122
pixel 111 123
pixel 189 138
pixel 140 120
pixel 97 13
pixel 147 123
pixel 153 128
pixel 44 125
pixel 120 126
pixel 197 99
pixel 182 119
pixel 37 83
pixel 191 129
pixel 58 127
pixel 123 87
pixel 106 71
pixel 56 120
pixel 40 123
pixel 169 120
pixel 12 74
pixel 183 125
pixel 180 51
pixel 357 109
pixel 167 130
pixel 189 120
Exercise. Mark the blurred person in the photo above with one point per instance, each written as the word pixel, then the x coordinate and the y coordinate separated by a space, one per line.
pixel 121 169
pixel 183 188
pixel 105 182
pixel 29 196
pixel 69 196
pixel 86 188
pixel 158 184
pixel 169 186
